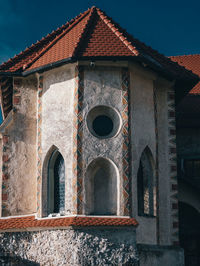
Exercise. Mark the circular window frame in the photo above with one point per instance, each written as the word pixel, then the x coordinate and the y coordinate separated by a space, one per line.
pixel 104 110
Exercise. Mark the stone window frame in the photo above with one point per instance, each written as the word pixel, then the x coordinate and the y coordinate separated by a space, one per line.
pixel 108 111
pixel 146 164
pixel 53 151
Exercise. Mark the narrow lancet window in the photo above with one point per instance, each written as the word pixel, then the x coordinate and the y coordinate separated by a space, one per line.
pixel 146 191
pixel 56 184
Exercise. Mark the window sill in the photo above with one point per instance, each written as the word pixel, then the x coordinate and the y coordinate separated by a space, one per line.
pixel 56 215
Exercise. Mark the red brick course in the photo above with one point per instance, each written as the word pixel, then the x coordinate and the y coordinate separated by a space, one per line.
pixel 32 222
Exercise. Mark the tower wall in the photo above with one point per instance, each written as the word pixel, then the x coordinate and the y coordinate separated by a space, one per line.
pixel 19 150
pixel 103 89
pixel 55 128
pixel 142 136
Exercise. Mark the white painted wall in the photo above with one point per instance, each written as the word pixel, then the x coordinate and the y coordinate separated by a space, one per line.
pixel 142 135
pixel 57 119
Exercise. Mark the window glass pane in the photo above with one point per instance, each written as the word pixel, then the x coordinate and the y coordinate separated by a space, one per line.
pixel 145 185
pixel 59 186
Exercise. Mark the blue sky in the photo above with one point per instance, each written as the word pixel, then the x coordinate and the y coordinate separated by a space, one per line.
pixel 171 27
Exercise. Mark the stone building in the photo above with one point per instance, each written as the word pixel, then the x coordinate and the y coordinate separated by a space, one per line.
pixel 88 149
pixel 188 154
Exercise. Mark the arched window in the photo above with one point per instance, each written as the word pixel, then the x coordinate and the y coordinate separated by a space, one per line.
pixel 101 188
pixel 146 190
pixel 56 184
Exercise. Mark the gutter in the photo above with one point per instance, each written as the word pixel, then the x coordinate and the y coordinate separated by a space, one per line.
pixel 39 69
pixel 148 63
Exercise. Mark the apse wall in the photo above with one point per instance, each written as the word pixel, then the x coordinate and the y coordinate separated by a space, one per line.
pixel 57 103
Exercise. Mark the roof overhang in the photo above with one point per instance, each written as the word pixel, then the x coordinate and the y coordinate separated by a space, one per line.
pixel 182 84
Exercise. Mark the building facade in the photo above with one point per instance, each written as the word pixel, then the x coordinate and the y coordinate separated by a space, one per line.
pixel 88 149
pixel 188 151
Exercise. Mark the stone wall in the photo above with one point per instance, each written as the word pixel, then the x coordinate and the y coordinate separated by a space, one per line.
pixel 82 246
pixel 19 151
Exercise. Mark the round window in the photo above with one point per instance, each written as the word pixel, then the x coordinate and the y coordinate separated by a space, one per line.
pixel 102 125
pixel 103 121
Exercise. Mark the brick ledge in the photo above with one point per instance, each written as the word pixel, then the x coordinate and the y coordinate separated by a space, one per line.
pixel 75 221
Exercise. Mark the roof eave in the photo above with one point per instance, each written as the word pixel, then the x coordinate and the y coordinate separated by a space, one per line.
pixel 193 78
pixel 139 59
pixel 11 74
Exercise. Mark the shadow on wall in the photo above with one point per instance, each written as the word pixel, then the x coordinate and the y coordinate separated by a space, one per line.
pixel 11 260
pixel 12 245
pixel 189 219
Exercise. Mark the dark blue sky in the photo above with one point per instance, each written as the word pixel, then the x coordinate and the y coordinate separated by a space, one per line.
pixel 171 27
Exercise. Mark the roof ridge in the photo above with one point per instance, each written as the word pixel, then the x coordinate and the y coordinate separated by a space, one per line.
pixel 84 31
pixel 112 25
pixel 76 20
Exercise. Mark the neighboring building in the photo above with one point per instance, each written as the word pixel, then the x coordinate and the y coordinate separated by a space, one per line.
pixel 88 149
pixel 188 153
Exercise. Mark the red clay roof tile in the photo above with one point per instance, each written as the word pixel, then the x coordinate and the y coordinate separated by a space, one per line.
pixel 191 62
pixel 20 61
pixel 91 34
pixel 63 47
pixel 32 222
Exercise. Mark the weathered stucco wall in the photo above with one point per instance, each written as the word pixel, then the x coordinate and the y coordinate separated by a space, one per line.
pixel 142 135
pixel 83 246
pixel 20 150
pixel 102 86
pixel 57 122
pixel 150 127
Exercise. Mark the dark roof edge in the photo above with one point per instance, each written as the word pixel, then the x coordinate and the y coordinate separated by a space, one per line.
pixel 11 74
pixel 140 59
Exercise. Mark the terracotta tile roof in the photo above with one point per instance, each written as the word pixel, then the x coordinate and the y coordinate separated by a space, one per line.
pixel 28 56
pixel 91 34
pixel 191 62
pixel 32 222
